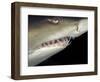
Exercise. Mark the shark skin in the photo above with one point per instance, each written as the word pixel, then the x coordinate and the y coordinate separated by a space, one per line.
pixel 51 36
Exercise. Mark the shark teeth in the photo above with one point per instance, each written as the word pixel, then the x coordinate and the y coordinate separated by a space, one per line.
pixel 58 42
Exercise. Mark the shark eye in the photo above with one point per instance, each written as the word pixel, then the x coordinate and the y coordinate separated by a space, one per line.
pixel 55 20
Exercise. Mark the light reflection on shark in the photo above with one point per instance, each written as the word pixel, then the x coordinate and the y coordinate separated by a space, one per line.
pixel 51 35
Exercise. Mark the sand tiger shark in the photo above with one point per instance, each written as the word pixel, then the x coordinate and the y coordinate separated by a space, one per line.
pixel 51 35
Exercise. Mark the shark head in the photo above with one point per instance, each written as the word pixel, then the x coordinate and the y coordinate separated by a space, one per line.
pixel 51 35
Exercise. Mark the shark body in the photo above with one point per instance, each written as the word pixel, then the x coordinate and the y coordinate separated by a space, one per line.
pixel 52 35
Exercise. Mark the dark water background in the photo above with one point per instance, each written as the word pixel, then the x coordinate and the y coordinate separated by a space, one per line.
pixel 75 53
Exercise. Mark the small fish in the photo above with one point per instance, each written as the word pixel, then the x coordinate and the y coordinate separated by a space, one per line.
pixel 51 35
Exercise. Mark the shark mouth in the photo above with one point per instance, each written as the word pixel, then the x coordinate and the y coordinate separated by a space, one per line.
pixel 48 49
pixel 62 42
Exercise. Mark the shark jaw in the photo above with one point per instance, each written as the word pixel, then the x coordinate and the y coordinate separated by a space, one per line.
pixel 61 42
pixel 48 49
